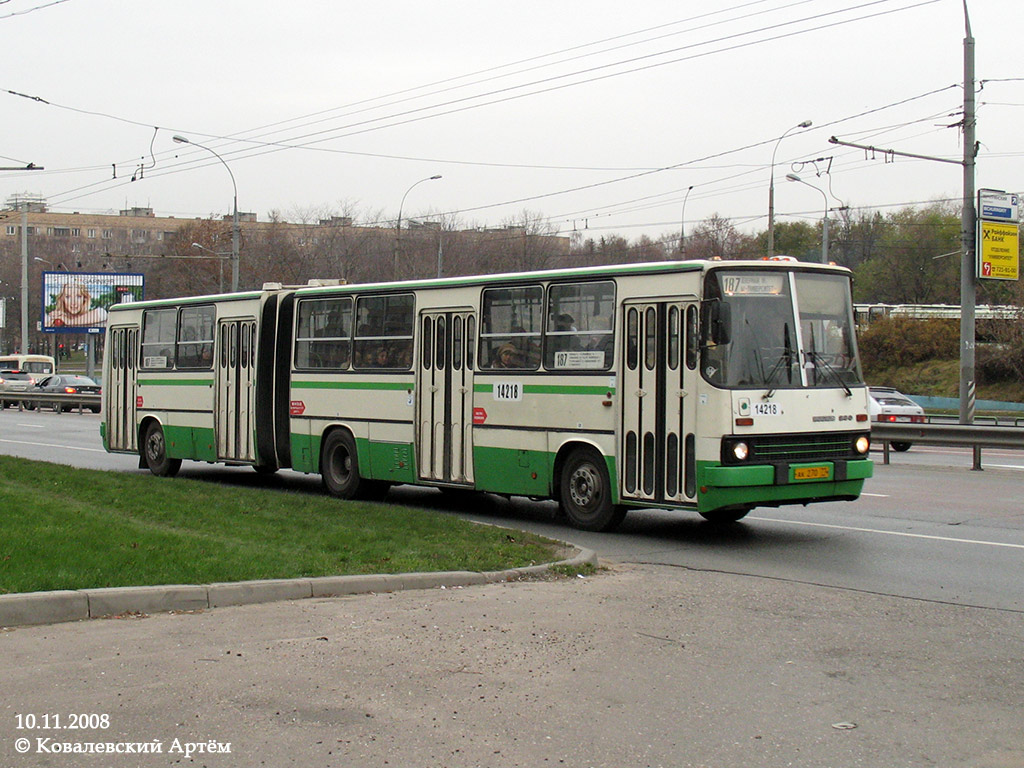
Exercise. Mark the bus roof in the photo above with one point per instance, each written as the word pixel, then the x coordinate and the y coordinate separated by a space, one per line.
pixel 605 270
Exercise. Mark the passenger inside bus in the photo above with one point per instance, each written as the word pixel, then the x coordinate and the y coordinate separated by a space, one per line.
pixel 509 356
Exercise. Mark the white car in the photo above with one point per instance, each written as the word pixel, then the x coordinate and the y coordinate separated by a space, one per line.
pixel 888 406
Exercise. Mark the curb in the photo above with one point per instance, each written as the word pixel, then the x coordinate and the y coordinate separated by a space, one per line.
pixel 31 608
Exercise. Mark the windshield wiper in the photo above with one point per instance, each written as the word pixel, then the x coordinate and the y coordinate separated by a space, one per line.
pixel 832 372
pixel 786 357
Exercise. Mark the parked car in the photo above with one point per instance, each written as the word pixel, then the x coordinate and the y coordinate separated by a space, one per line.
pixel 888 406
pixel 69 384
pixel 15 381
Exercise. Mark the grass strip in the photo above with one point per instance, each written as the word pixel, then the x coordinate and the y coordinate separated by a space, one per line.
pixel 68 528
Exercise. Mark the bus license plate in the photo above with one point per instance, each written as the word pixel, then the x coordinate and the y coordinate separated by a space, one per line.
pixel 810 473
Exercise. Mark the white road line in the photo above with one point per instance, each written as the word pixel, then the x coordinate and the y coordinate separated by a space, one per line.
pixel 52 445
pixel 890 533
pixel 876 495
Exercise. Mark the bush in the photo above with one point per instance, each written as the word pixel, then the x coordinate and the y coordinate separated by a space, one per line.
pixel 898 341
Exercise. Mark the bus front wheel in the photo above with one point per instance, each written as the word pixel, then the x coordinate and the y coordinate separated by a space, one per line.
pixel 154 449
pixel 586 493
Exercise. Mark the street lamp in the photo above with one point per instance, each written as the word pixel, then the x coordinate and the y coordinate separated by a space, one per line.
pixel 398 224
pixel 220 262
pixel 824 221
pixel 234 214
pixel 682 224
pixel 771 188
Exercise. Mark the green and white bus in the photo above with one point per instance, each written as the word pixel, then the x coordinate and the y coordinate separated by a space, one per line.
pixel 711 386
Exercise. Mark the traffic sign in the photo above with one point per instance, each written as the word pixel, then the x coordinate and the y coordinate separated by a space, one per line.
pixel 996 205
pixel 998 251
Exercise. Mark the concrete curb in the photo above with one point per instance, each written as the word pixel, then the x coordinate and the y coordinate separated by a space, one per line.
pixel 76 605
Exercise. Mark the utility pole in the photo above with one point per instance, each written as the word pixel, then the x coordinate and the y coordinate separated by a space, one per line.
pixel 968 227
pixel 24 280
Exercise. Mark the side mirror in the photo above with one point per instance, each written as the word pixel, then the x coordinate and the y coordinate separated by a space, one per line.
pixel 719 323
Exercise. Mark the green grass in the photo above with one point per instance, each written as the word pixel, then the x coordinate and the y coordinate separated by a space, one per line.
pixel 67 528
pixel 941 378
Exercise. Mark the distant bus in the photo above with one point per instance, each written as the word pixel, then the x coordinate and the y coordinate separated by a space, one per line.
pixel 34 364
pixel 710 386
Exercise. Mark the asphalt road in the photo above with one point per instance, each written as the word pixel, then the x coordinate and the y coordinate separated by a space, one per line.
pixel 786 640
pixel 927 526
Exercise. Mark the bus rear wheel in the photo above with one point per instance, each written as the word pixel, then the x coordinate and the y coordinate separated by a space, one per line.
pixel 154 451
pixel 586 493
pixel 339 470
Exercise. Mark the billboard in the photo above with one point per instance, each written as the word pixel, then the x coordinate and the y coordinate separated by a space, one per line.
pixel 77 302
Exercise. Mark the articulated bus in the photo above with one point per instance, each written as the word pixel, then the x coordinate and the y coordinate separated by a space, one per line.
pixel 709 386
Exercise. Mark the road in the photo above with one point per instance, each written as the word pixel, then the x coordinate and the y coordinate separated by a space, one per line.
pixel 783 641
pixel 927 526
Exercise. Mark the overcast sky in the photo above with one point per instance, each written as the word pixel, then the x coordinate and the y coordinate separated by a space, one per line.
pixel 598 115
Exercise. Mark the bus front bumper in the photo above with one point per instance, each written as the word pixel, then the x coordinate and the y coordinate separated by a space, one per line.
pixel 771 485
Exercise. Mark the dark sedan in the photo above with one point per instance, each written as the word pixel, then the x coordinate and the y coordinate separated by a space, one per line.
pixel 70 384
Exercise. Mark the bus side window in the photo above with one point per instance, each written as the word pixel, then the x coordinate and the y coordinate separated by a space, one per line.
pixel 159 333
pixel 384 331
pixel 580 330
pixel 510 328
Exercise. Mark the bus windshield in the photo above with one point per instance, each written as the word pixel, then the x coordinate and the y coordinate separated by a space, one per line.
pixel 779 330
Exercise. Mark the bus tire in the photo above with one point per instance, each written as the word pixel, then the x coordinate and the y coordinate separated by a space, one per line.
pixel 154 451
pixel 339 466
pixel 725 515
pixel 586 492
pixel 899 445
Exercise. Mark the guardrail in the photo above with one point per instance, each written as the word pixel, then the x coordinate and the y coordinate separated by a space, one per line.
pixel 975 436
pixel 57 401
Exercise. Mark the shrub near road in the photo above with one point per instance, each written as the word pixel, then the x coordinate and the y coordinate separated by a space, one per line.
pixel 66 528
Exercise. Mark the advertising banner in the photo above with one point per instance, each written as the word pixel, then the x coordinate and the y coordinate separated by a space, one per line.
pixel 77 302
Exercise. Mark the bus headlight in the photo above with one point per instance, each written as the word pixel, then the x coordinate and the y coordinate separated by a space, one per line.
pixel 862 445
pixel 741 451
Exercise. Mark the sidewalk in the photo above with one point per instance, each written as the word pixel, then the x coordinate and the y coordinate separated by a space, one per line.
pixel 635 666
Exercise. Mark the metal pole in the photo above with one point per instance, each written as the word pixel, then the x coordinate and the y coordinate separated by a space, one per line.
pixel 234 211
pixel 234 244
pixel 824 238
pixel 968 267
pixel 398 224
pixel 682 224
pixel 771 188
pixel 24 279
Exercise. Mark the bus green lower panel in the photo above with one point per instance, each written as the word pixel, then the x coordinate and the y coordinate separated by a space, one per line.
pixel 305 453
pixel 198 443
pixel 512 471
pixel 394 462
pixel 720 486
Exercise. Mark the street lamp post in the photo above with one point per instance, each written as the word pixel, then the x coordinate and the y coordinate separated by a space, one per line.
pixel 234 213
pixel 398 224
pixel 682 224
pixel 220 262
pixel 824 221
pixel 771 188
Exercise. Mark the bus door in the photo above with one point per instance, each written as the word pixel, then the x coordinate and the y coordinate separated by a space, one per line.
pixel 235 418
pixel 658 378
pixel 121 389
pixel 444 386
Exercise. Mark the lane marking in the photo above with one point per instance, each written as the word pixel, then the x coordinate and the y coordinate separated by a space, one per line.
pixel 891 533
pixel 52 445
pixel 876 495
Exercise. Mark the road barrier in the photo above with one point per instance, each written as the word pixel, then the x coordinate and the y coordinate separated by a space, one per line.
pixel 57 401
pixel 975 436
